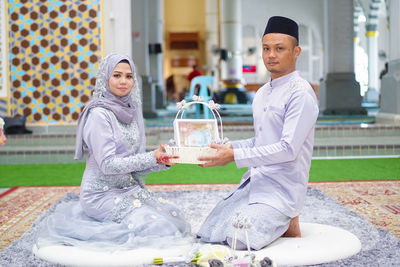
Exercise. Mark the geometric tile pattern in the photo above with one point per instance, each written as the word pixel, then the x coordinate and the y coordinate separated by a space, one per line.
pixel 53 52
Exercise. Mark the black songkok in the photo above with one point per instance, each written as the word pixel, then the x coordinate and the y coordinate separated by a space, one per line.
pixel 282 25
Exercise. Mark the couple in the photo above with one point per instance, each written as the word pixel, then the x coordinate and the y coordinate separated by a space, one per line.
pixel 114 206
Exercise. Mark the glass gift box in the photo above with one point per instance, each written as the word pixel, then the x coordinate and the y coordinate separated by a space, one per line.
pixel 192 137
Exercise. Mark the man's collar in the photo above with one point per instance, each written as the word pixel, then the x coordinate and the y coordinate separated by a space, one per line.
pixel 282 80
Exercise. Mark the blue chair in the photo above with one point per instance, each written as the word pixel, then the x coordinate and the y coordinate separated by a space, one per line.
pixel 203 82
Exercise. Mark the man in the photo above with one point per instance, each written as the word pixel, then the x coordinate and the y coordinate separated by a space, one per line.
pixel 194 73
pixel 271 193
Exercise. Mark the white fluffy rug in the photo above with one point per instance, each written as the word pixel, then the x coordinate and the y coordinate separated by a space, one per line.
pixel 319 244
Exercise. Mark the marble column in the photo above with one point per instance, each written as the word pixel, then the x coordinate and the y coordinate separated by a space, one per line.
pixel 231 39
pixel 340 92
pixel 140 54
pixel 117 31
pixel 140 36
pixel 156 23
pixel 372 95
pixel 212 41
pixel 390 84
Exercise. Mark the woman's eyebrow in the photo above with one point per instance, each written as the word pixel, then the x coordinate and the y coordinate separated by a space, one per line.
pixel 122 72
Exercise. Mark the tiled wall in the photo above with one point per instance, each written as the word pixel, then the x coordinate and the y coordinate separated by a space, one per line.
pixel 53 52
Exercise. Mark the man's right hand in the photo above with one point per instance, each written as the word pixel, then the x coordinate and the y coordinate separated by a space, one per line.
pixel 223 156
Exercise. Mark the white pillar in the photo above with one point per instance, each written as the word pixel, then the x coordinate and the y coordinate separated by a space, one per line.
pixel 117 28
pixel 390 85
pixel 140 53
pixel 372 95
pixel 231 33
pixel 212 60
pixel 140 32
pixel 155 37
pixel 340 92
pixel 394 39
pixel 156 22
pixel 339 33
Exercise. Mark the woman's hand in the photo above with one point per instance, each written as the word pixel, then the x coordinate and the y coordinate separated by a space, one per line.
pixel 163 158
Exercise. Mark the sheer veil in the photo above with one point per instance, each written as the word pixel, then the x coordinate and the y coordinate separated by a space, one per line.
pixel 126 109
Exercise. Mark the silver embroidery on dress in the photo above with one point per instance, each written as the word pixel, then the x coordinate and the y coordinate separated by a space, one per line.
pixel 122 179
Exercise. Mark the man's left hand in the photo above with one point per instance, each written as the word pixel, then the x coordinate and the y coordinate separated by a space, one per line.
pixel 223 156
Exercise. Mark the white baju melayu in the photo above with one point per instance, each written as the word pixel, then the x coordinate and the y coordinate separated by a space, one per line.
pixel 278 159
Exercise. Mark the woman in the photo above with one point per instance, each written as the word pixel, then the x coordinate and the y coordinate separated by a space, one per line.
pixel 115 208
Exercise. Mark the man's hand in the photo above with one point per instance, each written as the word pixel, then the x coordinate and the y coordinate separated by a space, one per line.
pixel 224 156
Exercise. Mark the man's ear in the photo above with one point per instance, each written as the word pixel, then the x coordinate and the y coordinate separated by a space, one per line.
pixel 297 51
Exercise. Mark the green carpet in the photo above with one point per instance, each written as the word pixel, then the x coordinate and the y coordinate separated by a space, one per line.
pixel 321 170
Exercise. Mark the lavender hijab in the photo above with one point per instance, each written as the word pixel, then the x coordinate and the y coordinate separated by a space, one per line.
pixel 126 109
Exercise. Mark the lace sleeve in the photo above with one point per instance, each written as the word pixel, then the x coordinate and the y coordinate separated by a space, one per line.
pixel 135 163
pixel 157 168
pixel 106 148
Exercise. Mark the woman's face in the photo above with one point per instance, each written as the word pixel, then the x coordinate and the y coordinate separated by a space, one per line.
pixel 121 80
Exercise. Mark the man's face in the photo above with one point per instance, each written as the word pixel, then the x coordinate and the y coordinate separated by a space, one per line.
pixel 279 54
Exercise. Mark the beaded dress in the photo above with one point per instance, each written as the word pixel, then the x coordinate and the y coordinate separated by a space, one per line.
pixel 114 209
